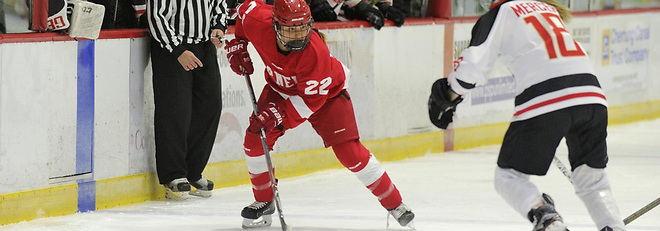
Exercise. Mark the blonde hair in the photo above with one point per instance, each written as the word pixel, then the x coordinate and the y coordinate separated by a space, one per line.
pixel 564 12
pixel 321 34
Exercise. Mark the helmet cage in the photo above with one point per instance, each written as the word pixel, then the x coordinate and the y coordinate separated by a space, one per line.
pixel 294 38
pixel 292 21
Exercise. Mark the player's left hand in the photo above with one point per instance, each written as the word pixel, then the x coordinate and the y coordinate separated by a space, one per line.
pixel 269 118
pixel 441 106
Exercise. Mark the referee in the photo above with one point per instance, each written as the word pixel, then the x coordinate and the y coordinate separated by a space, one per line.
pixel 187 90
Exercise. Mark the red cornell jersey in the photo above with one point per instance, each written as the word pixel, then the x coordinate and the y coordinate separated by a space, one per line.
pixel 306 78
pixel 552 71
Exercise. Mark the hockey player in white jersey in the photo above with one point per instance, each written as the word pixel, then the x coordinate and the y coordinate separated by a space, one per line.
pixel 557 96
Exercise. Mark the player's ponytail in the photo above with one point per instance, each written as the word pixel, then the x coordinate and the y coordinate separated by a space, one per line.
pixel 564 12
pixel 321 34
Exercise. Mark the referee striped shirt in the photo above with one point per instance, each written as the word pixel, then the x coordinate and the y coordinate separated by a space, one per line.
pixel 173 22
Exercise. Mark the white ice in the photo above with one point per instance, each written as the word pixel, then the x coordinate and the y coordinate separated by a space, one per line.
pixel 447 191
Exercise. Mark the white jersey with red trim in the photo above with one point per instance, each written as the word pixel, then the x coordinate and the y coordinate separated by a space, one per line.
pixel 306 78
pixel 551 69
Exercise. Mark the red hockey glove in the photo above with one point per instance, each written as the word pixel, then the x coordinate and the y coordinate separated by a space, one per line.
pixel 269 118
pixel 238 56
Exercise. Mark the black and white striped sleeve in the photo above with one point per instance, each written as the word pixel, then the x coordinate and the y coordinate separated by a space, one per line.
pixel 160 14
pixel 219 15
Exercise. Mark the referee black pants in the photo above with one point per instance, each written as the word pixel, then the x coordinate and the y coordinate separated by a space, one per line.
pixel 187 111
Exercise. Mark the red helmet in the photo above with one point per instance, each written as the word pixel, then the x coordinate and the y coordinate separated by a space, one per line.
pixel 297 17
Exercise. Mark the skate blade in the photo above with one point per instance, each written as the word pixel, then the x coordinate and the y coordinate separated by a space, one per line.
pixel 264 221
pixel 177 196
pixel 201 193
pixel 411 225
pixel 556 226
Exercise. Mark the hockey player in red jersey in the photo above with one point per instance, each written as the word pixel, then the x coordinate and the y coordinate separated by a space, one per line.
pixel 304 83
pixel 557 96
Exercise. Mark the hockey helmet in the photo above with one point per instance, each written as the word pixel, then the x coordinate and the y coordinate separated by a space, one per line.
pixel 292 20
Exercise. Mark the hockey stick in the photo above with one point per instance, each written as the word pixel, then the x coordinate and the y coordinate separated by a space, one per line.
pixel 269 162
pixel 628 219
pixel 562 168
pixel 641 211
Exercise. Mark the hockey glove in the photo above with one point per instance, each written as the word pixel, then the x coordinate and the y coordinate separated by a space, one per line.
pixel 238 56
pixel 322 11
pixel 269 118
pixel 441 107
pixel 364 11
pixel 391 13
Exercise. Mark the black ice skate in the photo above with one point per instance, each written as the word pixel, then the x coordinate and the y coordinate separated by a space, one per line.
pixel 258 214
pixel 402 214
pixel 177 189
pixel 203 187
pixel 545 218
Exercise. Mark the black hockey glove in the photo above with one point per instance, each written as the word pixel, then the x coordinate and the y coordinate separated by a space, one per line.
pixel 364 11
pixel 392 13
pixel 441 107
pixel 322 11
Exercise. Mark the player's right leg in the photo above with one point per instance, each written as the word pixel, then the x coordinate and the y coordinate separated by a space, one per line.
pixel 593 187
pixel 524 197
pixel 258 214
pixel 587 148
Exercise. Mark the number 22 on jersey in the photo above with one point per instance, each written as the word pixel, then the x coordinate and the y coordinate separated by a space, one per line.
pixel 315 87
pixel 558 34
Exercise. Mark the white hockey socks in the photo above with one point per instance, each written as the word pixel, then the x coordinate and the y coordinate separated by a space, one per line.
pixel 593 187
pixel 517 190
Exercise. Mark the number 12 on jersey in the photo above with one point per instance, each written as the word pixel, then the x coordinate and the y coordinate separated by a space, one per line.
pixel 559 33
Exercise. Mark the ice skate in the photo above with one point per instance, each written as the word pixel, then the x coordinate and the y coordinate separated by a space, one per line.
pixel 545 218
pixel 203 187
pixel 258 214
pixel 403 215
pixel 607 228
pixel 177 189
